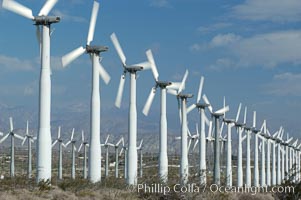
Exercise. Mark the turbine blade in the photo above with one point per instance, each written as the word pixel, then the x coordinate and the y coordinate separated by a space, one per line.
pixel 179 109
pixel 224 105
pixel 55 141
pixel 149 101
pixel 245 115
pixel 172 91
pixel 223 110
pixel 189 144
pixel 238 112
pixel 182 86
pixel 120 91
pixel 80 146
pixel 197 129
pixel 221 129
pixel 103 73
pixel 206 100
pixel 19 137
pixel 67 143
pixel 107 139
pixel 17 8
pixel 83 136
pixel 11 125
pixel 195 144
pixel 92 22
pixel 72 134
pixel 24 140
pixel 4 138
pixel 47 7
pixel 59 132
pixel 209 129
pixel 70 57
pixel 200 90
pixel 254 119
pixel 121 151
pixel 117 144
pixel 151 60
pixel 190 108
pixel 118 48
pixel 26 127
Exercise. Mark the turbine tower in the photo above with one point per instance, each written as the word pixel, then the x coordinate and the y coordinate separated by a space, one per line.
pixel 44 134
pixel 216 115
pixel 163 85
pixel 132 133
pixel 97 69
pixel 106 146
pixel 12 147
pixel 30 139
pixel 117 157
pixel 141 159
pixel 60 161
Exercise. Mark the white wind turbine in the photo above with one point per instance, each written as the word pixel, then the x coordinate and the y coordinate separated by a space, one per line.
pixel 163 85
pixel 84 144
pixel 248 131
pixel 230 123
pixel 216 115
pixel 294 160
pixel 278 141
pixel 273 141
pixel 97 69
pixel 184 167
pixel 202 137
pixel 12 148
pixel 30 139
pixel 256 133
pixel 116 146
pixel 72 141
pixel 286 144
pixel 240 130
pixel 44 134
pixel 59 140
pixel 106 146
pixel 125 150
pixel 132 133
pixel 140 149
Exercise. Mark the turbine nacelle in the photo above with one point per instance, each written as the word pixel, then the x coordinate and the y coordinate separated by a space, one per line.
pixel 46 20
pixel 229 121
pixel 239 125
pixel 96 49
pixel 202 105
pixel 184 96
pixel 163 84
pixel 133 69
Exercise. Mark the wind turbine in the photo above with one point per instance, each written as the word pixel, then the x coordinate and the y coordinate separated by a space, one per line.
pixel 248 131
pixel 163 85
pixel 256 169
pixel 230 123
pixel 59 140
pixel 44 134
pixel 125 149
pixel 202 137
pixel 132 133
pixel 287 148
pixel 240 130
pixel 278 141
pixel 84 144
pixel 184 167
pixel 97 69
pixel 216 115
pixel 117 157
pixel 73 150
pixel 141 158
pixel 30 140
pixel 273 141
pixel 106 146
pixel 12 148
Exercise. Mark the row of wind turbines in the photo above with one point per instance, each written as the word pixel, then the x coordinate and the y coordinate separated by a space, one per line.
pixel 287 151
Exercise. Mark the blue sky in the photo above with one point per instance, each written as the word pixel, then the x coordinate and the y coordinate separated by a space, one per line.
pixel 248 51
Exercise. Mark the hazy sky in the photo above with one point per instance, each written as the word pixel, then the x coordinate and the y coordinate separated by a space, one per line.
pixel 248 51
